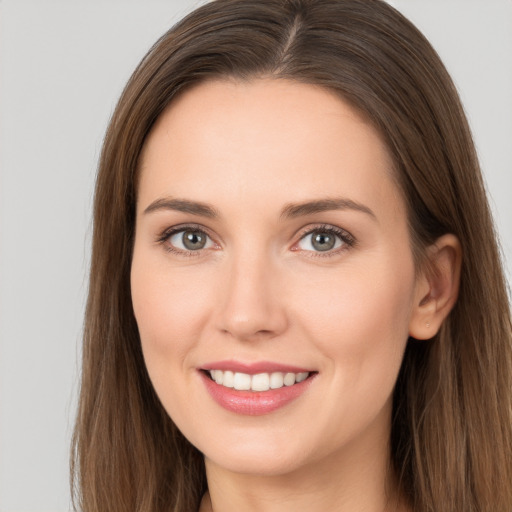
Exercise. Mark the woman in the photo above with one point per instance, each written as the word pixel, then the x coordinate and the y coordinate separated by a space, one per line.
pixel 296 299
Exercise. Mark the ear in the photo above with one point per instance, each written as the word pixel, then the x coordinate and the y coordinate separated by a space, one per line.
pixel 437 287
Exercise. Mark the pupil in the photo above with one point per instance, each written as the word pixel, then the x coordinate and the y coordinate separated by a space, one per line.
pixel 193 240
pixel 323 241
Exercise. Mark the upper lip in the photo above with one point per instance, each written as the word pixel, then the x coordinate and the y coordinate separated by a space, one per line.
pixel 255 367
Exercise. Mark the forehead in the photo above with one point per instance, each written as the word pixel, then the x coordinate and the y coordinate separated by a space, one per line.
pixel 277 139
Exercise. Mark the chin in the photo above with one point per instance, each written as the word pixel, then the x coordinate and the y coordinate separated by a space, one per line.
pixel 263 456
pixel 271 465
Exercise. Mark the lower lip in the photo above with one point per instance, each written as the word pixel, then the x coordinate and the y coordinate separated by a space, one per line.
pixel 254 403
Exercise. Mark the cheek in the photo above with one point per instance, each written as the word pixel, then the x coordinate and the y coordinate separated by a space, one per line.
pixel 171 311
pixel 359 318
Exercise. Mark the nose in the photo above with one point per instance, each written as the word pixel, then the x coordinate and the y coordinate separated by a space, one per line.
pixel 251 306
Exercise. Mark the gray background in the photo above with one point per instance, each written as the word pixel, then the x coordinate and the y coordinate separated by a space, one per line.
pixel 62 67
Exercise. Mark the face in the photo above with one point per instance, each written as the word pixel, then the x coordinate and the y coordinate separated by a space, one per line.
pixel 272 276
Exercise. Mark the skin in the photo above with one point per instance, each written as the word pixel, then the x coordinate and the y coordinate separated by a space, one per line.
pixel 259 290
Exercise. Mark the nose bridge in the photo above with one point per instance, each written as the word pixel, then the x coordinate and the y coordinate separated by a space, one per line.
pixel 251 306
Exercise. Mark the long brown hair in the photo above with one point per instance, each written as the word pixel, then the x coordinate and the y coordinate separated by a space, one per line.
pixel 452 421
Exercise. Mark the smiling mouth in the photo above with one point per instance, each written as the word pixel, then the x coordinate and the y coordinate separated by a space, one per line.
pixel 257 382
pixel 248 389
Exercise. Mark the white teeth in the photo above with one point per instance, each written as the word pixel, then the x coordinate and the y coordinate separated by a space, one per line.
pixel 258 382
pixel 229 379
pixel 241 382
pixel 299 377
pixel 219 376
pixel 289 379
pixel 276 380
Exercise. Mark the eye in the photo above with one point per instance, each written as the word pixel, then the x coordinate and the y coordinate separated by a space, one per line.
pixel 325 239
pixel 186 240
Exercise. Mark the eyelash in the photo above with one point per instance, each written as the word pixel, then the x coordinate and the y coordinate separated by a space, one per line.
pixel 168 233
pixel 347 239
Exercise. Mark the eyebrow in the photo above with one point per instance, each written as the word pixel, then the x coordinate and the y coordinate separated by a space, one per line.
pixel 290 211
pixel 183 205
pixel 294 210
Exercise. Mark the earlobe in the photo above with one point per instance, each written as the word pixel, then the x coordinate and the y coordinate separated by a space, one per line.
pixel 437 287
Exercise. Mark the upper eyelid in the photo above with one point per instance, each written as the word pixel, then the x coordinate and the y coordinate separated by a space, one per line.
pixel 167 232
pixel 301 232
pixel 326 227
